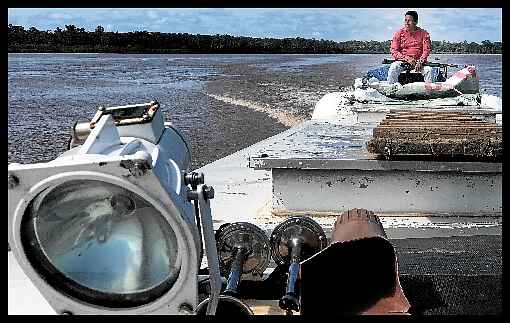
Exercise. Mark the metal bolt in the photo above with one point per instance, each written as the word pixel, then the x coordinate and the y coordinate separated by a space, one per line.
pixel 194 179
pixel 192 195
pixel 138 169
pixel 12 181
pixel 200 179
pixel 185 309
pixel 208 192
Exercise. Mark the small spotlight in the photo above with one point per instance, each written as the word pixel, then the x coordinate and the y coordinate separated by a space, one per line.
pixel 109 226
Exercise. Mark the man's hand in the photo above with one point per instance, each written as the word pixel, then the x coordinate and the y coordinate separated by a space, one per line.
pixel 411 61
pixel 419 66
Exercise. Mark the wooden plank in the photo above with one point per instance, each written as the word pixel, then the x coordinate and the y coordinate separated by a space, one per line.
pixel 433 120
pixel 455 119
pixel 441 134
pixel 454 148
pixel 439 130
pixel 430 136
pixel 414 117
pixel 442 125
pixel 417 121
pixel 438 125
pixel 433 115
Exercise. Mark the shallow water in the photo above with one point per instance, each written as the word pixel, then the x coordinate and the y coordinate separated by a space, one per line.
pixel 221 103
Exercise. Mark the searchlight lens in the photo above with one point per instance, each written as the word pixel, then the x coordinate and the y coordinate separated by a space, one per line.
pixel 98 241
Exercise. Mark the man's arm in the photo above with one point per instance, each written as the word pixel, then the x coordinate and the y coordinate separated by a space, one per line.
pixel 425 52
pixel 426 47
pixel 395 49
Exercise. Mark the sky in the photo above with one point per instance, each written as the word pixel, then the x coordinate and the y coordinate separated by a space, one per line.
pixel 454 25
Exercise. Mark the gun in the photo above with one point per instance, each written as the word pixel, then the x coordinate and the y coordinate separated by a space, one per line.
pixel 408 67
pixel 389 61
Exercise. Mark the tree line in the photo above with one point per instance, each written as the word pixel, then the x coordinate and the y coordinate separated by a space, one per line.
pixel 77 40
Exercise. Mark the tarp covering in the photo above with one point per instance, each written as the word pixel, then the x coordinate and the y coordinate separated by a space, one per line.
pixel 465 81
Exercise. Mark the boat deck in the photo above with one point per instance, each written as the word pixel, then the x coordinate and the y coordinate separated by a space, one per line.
pixel 450 258
pixel 323 167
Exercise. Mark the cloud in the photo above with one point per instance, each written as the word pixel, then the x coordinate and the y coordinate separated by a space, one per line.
pixel 152 14
pixel 329 23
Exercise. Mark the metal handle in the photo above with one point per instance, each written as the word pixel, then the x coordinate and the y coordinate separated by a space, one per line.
pixel 290 301
pixel 210 246
pixel 293 240
pixel 235 273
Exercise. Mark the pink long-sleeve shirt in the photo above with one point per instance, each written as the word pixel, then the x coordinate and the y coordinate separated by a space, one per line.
pixel 406 43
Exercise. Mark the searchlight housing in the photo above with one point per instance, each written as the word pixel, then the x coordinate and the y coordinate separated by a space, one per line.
pixel 109 226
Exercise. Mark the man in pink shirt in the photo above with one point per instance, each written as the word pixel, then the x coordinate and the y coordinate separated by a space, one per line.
pixel 411 44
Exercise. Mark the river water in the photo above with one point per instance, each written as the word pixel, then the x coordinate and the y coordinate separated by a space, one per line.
pixel 221 103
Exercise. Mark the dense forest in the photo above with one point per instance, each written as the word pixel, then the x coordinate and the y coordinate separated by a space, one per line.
pixel 78 40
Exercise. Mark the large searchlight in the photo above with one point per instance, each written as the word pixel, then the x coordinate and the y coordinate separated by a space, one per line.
pixel 115 225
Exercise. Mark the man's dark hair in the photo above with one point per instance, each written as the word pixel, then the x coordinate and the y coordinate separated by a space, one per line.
pixel 413 14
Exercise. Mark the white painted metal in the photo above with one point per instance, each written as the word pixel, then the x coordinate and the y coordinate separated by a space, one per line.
pixel 242 194
pixel 150 131
pixel 211 251
pixel 34 180
pixel 245 194
pixel 350 107
pixel 455 193
pixel 103 158
pixel 325 167
pixel 103 138
pixel 23 298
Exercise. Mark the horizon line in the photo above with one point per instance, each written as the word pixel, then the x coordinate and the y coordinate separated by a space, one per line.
pixel 265 37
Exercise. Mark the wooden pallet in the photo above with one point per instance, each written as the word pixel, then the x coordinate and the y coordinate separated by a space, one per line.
pixel 431 134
